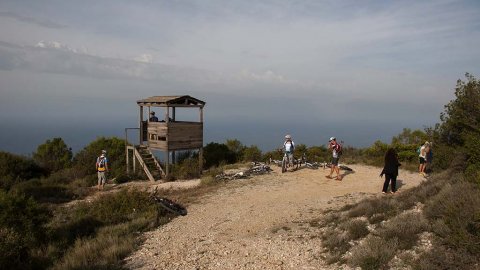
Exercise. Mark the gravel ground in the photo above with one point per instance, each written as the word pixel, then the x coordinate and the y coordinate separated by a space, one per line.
pixel 267 222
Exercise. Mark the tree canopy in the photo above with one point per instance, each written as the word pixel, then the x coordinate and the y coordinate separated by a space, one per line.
pixel 53 155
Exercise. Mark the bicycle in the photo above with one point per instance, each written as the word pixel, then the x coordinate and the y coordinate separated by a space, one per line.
pixel 286 162
pixel 168 204
pixel 312 166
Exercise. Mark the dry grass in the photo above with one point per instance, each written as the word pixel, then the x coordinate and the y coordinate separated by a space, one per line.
pixel 369 207
pixel 374 253
pixel 357 229
pixel 336 241
pixel 446 205
pixel 404 229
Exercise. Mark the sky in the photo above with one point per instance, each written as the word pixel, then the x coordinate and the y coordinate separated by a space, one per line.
pixel 357 70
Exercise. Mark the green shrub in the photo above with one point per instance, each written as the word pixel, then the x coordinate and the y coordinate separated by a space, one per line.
pixel 43 192
pixel 252 153
pixel 216 154
pixel 53 155
pixel 187 169
pixel 14 251
pixel 22 230
pixel 273 155
pixel 409 156
pixel 119 207
pixel 84 161
pixel 374 253
pixel 235 147
pixel 102 252
pixel 24 216
pixel 458 205
pixel 318 154
pixel 103 247
pixel 64 234
pixel 122 178
pixel 15 169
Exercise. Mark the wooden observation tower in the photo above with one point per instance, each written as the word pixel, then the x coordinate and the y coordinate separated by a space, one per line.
pixel 165 133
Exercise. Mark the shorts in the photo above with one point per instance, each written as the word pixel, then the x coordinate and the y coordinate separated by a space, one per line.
pixel 102 179
pixel 335 161
pixel 422 160
pixel 290 157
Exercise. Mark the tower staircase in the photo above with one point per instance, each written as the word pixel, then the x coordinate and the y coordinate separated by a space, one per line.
pixel 149 163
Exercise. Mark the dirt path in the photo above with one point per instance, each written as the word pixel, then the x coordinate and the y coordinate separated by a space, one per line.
pixel 260 223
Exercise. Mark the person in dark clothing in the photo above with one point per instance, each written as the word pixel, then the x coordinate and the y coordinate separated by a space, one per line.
pixel 390 169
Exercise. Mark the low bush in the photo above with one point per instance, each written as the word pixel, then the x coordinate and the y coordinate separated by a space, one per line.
pixel 22 229
pixel 404 229
pixel 99 234
pixel 14 252
pixel 117 208
pixel 357 228
pixel 459 206
pixel 369 207
pixel 64 234
pixel 187 169
pixel 443 257
pixel 208 181
pixel 15 169
pixel 107 249
pixel 336 242
pixel 373 253
pixel 44 192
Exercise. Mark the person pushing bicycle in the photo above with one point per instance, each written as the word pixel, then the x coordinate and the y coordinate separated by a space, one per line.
pixel 288 148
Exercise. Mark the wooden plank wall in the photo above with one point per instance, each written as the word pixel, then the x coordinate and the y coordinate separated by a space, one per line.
pixel 181 135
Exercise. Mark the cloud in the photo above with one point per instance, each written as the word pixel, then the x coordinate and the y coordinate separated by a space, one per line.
pixel 40 22
pixel 267 76
pixel 59 46
pixel 144 58
pixel 58 58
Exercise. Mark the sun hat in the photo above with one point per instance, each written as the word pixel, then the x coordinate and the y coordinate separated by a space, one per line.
pixel 332 139
pixel 288 136
pixel 104 152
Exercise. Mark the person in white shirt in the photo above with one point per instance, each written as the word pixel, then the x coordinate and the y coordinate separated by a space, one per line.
pixel 288 148
pixel 422 157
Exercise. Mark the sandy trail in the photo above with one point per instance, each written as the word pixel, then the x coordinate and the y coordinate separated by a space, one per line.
pixel 260 223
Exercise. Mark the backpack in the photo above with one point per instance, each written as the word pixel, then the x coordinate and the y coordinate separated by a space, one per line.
pixel 418 150
pixel 101 163
pixel 339 149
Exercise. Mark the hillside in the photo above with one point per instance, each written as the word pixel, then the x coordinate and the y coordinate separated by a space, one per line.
pixel 267 222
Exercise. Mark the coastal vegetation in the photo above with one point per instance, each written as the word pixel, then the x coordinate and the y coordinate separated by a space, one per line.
pixel 46 223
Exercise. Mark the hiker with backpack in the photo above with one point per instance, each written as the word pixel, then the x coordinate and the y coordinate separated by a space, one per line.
pixel 102 168
pixel 336 149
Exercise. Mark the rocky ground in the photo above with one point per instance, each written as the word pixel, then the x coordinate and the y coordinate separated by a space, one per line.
pixel 266 222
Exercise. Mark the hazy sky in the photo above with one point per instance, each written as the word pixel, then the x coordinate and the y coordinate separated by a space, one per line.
pixel 357 70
